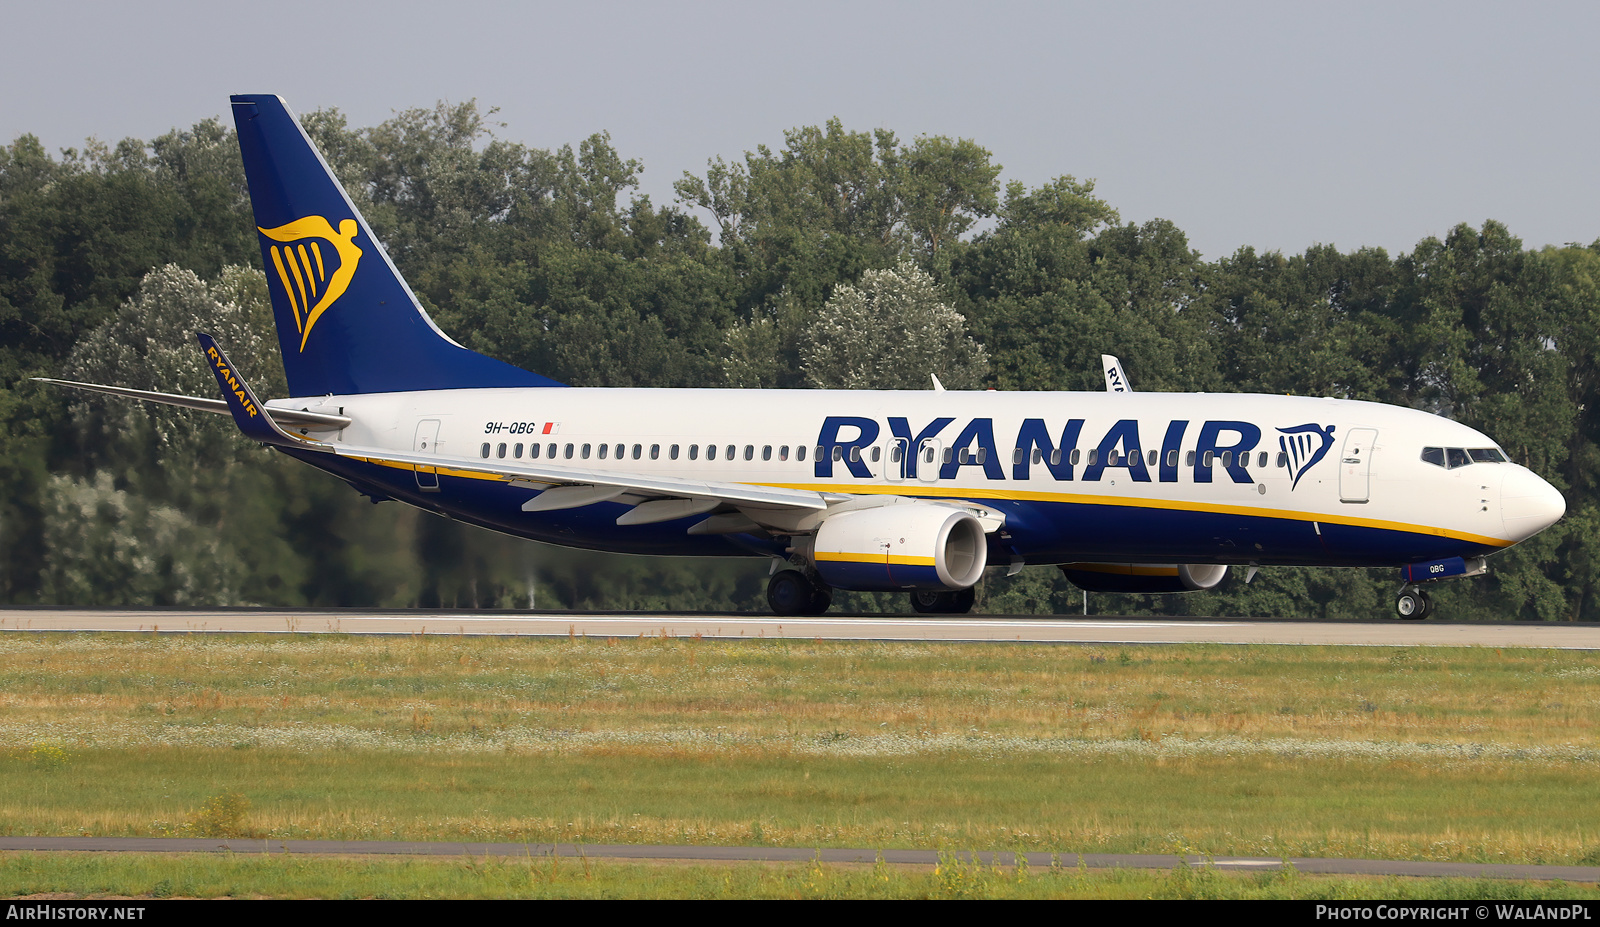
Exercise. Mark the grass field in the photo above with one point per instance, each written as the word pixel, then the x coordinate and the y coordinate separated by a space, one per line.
pixel 1442 754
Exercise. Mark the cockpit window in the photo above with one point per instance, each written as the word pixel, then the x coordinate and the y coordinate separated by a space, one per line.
pixel 1453 457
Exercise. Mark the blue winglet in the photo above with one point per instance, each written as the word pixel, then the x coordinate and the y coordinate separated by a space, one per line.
pixel 248 412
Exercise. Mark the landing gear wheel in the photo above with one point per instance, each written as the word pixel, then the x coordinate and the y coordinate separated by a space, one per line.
pixel 942 602
pixel 791 592
pixel 1413 605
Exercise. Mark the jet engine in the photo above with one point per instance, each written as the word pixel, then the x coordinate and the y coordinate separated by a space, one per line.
pixel 1145 577
pixel 918 545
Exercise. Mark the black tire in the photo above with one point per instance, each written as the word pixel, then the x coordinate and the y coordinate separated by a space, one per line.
pixel 942 601
pixel 1412 606
pixel 821 599
pixel 790 593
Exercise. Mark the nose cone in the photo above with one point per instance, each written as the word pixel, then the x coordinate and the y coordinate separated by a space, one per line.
pixel 1528 504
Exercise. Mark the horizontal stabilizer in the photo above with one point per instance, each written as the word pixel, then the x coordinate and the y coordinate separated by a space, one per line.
pixel 299 417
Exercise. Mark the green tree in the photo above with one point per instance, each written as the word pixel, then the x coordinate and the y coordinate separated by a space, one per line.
pixel 891 332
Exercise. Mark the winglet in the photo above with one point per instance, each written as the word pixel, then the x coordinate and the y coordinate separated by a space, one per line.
pixel 1116 380
pixel 248 412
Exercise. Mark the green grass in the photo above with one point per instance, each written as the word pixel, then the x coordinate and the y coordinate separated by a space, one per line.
pixel 1438 754
pixel 282 876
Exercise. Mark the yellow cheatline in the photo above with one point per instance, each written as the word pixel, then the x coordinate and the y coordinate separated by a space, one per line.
pixel 1207 507
pixel 1080 499
pixel 848 557
pixel 277 261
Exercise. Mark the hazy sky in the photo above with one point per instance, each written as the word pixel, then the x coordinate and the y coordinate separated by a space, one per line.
pixel 1276 125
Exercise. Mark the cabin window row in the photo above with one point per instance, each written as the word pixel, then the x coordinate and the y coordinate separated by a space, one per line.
pixel 1114 458
pixel 574 450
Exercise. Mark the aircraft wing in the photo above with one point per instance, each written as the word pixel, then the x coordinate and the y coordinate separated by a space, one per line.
pixel 611 484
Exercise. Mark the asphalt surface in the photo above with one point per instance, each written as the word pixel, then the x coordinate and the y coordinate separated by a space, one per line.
pixel 1050 629
pixel 622 852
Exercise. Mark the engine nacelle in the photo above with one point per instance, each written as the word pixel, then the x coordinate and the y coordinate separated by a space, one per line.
pixel 1145 577
pixel 918 545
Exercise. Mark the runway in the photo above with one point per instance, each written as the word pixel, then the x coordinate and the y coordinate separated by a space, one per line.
pixel 1017 629
pixel 728 854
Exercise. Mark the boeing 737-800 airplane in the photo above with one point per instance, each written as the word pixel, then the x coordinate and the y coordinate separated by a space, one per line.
pixel 865 490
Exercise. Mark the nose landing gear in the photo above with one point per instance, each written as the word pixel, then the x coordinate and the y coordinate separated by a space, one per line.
pixel 1413 604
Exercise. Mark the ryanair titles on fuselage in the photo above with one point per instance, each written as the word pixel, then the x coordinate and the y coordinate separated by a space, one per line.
pixel 844 441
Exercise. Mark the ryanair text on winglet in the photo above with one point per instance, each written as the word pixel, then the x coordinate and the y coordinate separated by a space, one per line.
pixel 233 381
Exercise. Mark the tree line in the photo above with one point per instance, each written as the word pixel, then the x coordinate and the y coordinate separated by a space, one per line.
pixel 111 256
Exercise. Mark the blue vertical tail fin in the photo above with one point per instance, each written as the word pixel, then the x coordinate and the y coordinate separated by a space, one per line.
pixel 347 321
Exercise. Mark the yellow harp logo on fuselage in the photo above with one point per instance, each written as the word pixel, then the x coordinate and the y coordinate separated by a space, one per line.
pixel 304 271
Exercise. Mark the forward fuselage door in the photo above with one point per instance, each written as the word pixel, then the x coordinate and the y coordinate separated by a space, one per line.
pixel 427 437
pixel 1355 465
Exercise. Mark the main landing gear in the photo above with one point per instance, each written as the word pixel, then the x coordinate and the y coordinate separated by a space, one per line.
pixel 942 601
pixel 791 592
pixel 1413 604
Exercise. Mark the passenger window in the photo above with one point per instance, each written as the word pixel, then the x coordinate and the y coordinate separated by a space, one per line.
pixel 766 452
pixel 1152 461
pixel 486 451
pixel 877 452
pixel 586 449
pixel 855 455
pixel 569 452
pixel 533 451
pixel 711 452
pixel 1206 459
pixel 983 455
pixel 1261 459
pixel 1189 459
pixel 928 457
pixel 1094 454
pixel 749 452
pixel 894 453
pixel 552 451
pixel 1172 458
pixel 783 452
pixel 820 452
pixel 517 451
pixel 1456 457
pixel 1112 457
pixel 603 449
pixel 1016 455
pixel 500 451
pixel 800 453
pixel 947 453
pixel 694 452
pixel 961 456
pixel 730 452
pixel 1055 456
pixel 838 452
pixel 1038 454
pixel 1283 460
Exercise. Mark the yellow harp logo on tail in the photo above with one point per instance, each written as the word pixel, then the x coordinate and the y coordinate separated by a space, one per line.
pixel 308 280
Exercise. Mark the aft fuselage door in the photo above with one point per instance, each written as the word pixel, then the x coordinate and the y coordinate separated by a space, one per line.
pixel 427 437
pixel 1355 465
